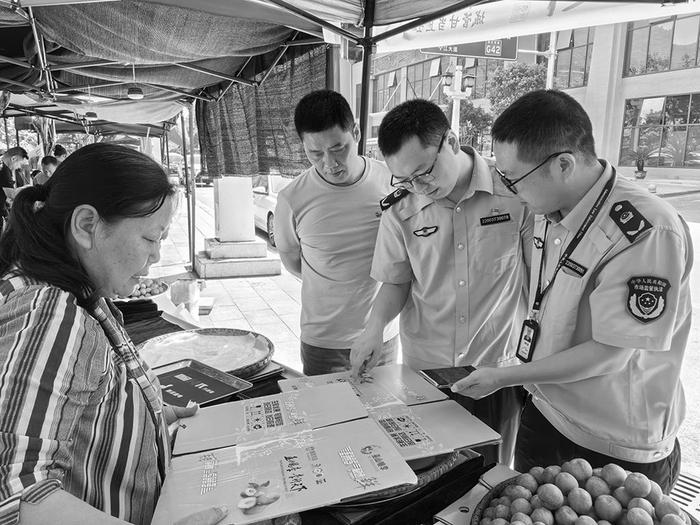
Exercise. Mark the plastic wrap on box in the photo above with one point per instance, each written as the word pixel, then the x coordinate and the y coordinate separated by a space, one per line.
pixel 267 417
pixel 387 385
pixel 263 480
pixel 422 431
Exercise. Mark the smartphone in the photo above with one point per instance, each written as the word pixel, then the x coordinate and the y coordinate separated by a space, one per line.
pixel 446 377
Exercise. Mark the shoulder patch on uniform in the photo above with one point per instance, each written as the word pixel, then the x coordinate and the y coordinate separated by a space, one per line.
pixel 391 199
pixel 646 297
pixel 425 231
pixel 629 220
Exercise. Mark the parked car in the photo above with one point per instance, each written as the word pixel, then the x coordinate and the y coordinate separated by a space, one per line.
pixel 203 178
pixel 265 189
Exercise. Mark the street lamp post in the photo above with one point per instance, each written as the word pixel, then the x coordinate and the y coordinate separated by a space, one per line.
pixel 457 87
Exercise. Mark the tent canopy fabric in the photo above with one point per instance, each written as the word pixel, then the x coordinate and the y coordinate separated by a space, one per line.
pixel 173 50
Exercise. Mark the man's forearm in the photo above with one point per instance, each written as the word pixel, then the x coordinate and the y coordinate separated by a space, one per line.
pixel 589 359
pixel 389 302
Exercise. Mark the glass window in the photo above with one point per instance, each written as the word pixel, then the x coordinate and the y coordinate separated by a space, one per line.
pixel 637 44
pixel 659 57
pixel 694 117
pixel 662 44
pixel 676 110
pixel 421 83
pixel 666 130
pixel 384 92
pixel 573 57
pixel 578 64
pixel 685 43
pixel 651 111
pixel 692 149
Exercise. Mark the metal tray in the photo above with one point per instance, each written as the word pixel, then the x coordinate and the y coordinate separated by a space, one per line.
pixel 238 352
pixel 189 380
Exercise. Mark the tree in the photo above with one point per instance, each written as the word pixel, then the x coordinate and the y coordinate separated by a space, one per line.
pixel 473 119
pixel 510 83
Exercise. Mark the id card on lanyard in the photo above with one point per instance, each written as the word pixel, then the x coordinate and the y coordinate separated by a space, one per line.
pixel 530 330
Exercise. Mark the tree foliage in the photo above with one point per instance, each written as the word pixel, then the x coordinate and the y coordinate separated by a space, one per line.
pixel 473 119
pixel 510 83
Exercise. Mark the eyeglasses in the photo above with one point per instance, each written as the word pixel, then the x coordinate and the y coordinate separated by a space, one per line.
pixel 408 183
pixel 510 183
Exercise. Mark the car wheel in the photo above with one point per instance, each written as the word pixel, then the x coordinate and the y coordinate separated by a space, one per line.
pixel 271 229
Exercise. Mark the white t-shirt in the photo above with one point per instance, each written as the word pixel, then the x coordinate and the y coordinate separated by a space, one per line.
pixel 334 228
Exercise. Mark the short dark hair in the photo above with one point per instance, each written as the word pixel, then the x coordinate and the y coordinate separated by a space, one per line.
pixel 59 151
pixel 14 152
pixel 118 182
pixel 321 110
pixel 545 121
pixel 49 160
pixel 413 118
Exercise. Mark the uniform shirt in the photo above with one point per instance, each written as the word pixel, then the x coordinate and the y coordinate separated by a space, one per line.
pixel 79 410
pixel 633 294
pixel 467 265
pixel 334 228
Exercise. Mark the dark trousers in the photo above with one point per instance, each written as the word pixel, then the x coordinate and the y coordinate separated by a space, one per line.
pixel 318 361
pixel 540 444
pixel 501 411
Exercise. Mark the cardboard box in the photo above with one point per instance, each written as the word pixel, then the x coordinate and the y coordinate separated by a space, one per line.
pixel 267 418
pixel 263 480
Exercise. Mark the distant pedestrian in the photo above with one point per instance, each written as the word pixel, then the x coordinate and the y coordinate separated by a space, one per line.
pixel 48 166
pixel 60 153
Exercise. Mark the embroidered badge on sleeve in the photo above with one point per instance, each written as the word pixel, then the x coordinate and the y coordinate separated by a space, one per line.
pixel 646 298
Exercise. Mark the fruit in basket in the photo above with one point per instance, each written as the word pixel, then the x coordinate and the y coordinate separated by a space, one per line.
pixel 608 508
pixel 550 496
pixel 578 468
pixel 148 288
pixel 637 485
pixel 596 486
pixel 580 500
pixel 577 494
pixel 614 475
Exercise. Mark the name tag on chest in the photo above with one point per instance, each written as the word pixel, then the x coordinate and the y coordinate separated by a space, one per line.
pixel 495 219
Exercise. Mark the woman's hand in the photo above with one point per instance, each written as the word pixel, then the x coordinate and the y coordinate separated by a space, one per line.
pixel 209 516
pixel 480 383
pixel 173 413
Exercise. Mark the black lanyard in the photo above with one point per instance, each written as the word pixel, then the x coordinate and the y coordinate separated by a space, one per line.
pixel 587 222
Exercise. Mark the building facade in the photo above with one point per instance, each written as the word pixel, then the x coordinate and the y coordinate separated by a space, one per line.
pixel 639 82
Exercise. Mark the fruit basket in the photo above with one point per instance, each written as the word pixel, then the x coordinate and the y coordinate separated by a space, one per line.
pixel 576 494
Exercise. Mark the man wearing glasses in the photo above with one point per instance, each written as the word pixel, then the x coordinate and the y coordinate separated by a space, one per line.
pixel 452 255
pixel 610 306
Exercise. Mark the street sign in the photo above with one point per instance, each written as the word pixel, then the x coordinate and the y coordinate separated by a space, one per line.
pixel 503 48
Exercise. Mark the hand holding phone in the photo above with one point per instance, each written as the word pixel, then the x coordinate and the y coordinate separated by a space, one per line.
pixel 444 378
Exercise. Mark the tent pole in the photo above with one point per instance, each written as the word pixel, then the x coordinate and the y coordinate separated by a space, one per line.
pixel 16 133
pixel 367 48
pixel 7 134
pixel 188 189
pixel 194 181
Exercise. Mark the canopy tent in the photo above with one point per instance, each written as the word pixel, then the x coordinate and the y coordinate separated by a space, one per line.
pixel 84 56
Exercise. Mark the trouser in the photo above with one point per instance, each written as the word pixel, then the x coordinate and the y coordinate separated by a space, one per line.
pixel 540 444
pixel 501 411
pixel 317 360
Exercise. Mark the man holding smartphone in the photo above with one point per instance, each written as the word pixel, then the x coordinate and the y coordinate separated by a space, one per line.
pixel 452 255
pixel 610 301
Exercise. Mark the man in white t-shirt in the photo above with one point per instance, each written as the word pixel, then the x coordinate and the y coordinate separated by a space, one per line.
pixel 326 223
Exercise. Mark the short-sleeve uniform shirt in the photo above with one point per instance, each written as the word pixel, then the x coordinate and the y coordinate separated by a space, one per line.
pixel 467 264
pixel 334 229
pixel 627 286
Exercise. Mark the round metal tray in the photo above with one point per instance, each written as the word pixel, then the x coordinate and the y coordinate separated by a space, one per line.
pixel 239 352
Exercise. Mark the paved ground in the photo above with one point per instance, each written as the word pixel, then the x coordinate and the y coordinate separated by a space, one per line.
pixel 271 305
